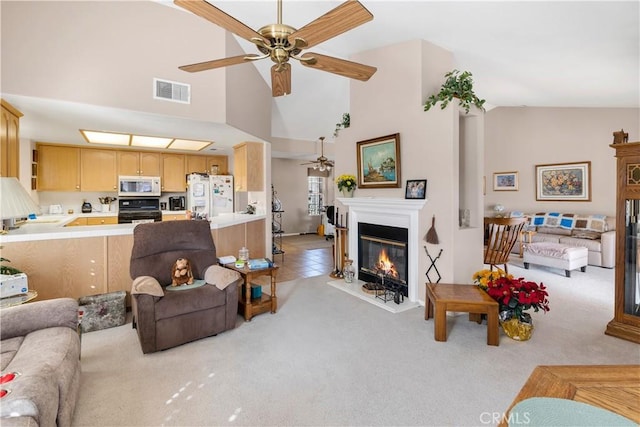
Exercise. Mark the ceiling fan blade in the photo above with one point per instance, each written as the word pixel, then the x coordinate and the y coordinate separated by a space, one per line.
pixel 217 63
pixel 213 14
pixel 281 79
pixel 345 17
pixel 353 70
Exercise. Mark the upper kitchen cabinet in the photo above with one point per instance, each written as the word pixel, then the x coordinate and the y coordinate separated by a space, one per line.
pixel 248 166
pixel 218 165
pixel 196 163
pixel 10 141
pixel 173 173
pixel 212 165
pixel 98 170
pixel 58 168
pixel 144 163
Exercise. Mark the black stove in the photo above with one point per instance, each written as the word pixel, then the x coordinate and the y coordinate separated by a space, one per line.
pixel 136 211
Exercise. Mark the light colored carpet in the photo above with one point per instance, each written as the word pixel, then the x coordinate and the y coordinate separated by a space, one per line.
pixel 328 358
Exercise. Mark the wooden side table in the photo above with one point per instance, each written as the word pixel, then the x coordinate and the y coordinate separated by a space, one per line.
pixel 443 297
pixel 267 302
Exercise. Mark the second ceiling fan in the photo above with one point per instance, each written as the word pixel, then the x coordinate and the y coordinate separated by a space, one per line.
pixel 321 163
pixel 282 42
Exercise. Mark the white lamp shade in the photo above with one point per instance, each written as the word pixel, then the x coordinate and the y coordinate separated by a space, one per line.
pixel 15 202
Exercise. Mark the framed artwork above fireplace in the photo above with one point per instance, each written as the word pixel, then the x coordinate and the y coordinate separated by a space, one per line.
pixel 379 162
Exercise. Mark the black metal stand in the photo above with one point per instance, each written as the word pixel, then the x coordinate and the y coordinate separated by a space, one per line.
pixel 433 265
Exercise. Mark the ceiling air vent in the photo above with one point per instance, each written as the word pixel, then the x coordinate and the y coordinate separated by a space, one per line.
pixel 171 91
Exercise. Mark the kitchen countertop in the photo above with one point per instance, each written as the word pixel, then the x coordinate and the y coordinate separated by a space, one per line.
pixel 51 227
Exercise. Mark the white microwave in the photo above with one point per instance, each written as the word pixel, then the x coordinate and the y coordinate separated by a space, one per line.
pixel 138 186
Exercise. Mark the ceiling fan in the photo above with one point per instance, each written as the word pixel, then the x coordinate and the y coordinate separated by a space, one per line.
pixel 321 163
pixel 282 42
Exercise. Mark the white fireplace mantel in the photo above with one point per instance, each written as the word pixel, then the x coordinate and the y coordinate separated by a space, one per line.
pixel 403 213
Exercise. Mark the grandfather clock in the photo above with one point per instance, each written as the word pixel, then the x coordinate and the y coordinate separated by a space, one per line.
pixel 626 321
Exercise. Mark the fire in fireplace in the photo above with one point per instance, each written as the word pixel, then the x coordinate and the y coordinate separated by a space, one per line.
pixel 383 255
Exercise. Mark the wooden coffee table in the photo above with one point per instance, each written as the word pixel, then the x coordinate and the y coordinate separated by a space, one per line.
pixel 267 302
pixel 443 297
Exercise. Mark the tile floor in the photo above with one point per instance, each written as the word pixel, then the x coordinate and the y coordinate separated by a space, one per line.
pixel 305 255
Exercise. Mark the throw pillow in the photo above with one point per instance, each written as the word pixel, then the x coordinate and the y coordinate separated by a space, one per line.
pixel 552 219
pixel 538 219
pixel 568 221
pixel 592 222
pixel 586 234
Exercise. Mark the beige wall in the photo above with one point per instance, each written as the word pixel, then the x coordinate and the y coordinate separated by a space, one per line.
pixel 392 102
pixel 290 181
pixel 92 60
pixel 517 139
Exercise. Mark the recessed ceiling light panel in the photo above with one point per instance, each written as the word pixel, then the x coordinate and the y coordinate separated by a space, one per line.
pixel 112 138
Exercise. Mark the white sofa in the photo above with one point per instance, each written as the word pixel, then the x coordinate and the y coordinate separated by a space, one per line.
pixel 594 232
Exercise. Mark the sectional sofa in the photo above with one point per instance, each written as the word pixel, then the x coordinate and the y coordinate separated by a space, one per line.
pixel 594 232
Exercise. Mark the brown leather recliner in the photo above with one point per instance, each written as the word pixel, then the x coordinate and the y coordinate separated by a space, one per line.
pixel 163 318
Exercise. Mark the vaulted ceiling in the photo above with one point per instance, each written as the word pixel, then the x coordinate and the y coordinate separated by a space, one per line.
pixel 533 53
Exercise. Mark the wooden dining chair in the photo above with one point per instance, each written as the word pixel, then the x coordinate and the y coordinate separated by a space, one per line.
pixel 502 235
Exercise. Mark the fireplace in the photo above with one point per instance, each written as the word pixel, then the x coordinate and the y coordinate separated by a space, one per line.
pixel 389 212
pixel 383 256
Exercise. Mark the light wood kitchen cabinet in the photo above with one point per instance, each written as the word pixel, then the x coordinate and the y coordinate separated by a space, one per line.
pixel 58 168
pixel 229 240
pixel 222 163
pixel 174 217
pixel 196 164
pixel 212 165
pixel 102 220
pixel 10 141
pixel 77 222
pixel 98 170
pixel 173 173
pixel 132 163
pixel 60 268
pixel 248 166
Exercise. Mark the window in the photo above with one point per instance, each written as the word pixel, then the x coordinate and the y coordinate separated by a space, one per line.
pixel 315 198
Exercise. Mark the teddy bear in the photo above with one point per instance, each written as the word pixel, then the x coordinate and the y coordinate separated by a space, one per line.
pixel 181 273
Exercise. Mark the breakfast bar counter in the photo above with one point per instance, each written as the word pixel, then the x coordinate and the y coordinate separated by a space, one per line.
pixel 77 261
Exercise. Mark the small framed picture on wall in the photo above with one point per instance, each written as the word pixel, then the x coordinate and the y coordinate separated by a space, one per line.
pixel 505 181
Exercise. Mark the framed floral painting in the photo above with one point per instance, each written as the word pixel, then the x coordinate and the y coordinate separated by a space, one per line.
pixel 568 182
pixel 379 162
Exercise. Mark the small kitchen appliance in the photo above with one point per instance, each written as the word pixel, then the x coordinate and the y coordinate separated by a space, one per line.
pixel 139 186
pixel 176 203
pixel 86 207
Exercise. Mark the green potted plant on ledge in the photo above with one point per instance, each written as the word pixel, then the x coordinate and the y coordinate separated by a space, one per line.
pixel 458 85
pixel 345 123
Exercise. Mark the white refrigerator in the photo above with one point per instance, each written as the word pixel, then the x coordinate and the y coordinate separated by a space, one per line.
pixel 209 195
pixel 220 194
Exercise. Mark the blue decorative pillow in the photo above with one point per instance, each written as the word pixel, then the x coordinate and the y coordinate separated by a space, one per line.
pixel 538 219
pixel 568 221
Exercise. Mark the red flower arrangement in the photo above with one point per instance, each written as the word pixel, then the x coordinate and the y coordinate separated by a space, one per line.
pixel 514 295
